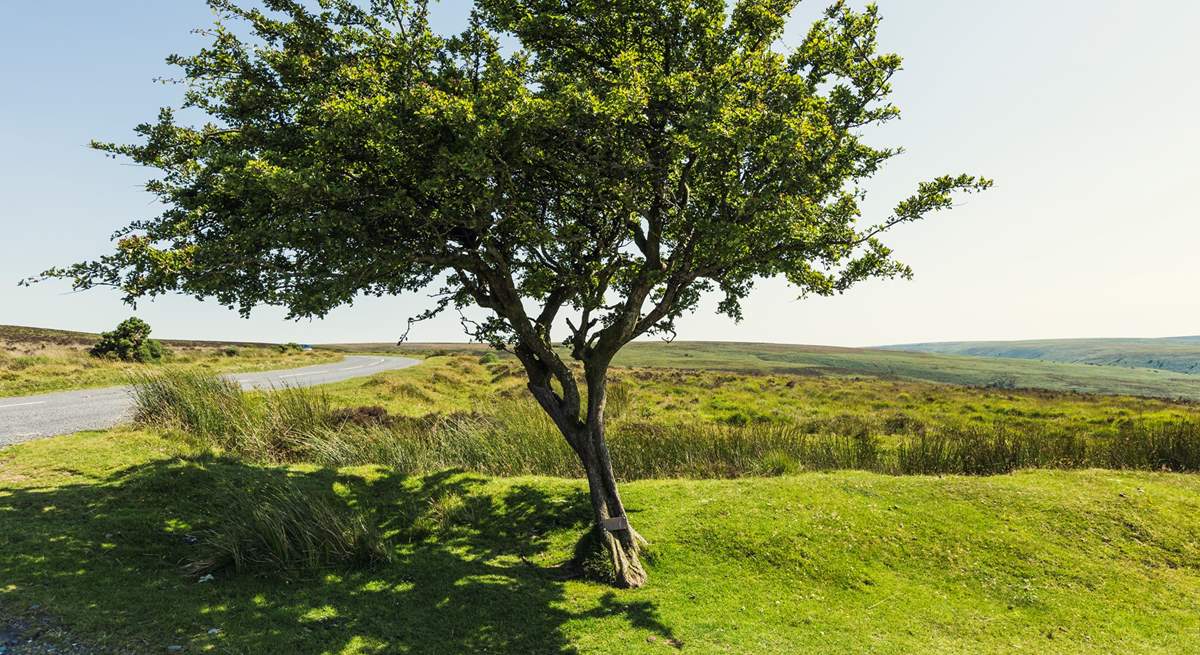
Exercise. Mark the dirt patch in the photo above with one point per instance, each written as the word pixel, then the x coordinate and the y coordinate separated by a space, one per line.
pixel 36 633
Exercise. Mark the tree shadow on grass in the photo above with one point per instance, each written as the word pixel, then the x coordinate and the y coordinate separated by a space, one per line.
pixel 106 559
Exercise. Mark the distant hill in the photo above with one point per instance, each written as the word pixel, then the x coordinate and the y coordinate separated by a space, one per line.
pixel 16 334
pixel 890 364
pixel 1178 354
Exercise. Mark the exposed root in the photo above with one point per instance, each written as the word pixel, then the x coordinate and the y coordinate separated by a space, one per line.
pixel 628 572
pixel 611 558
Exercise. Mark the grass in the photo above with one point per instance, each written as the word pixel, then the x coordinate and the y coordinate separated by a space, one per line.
pixel 1054 562
pixel 35 360
pixel 282 527
pixel 1179 354
pixel 789 359
pixel 432 509
pixel 473 414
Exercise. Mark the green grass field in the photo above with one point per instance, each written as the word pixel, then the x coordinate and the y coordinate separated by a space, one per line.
pixel 462 383
pixel 37 360
pixel 770 529
pixel 95 525
pixel 889 364
pixel 1179 354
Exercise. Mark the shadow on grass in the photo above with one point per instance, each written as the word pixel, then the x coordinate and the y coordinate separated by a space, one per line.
pixel 105 559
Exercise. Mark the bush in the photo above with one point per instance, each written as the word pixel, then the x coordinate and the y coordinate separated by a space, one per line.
pixel 289 347
pixel 282 528
pixel 129 342
pixel 231 351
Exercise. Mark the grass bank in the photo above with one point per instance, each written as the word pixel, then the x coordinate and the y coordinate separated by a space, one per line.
pixel 1053 562
pixel 474 414
pixel 39 361
pixel 791 359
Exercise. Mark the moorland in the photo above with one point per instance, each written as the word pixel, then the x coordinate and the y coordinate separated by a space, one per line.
pixel 792 500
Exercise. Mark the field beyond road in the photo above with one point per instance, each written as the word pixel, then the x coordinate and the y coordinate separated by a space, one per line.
pixel 994 372
pixel 1047 562
pixel 39 360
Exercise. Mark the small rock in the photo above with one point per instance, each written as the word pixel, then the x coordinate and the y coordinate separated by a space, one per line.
pixel 207 578
pixel 191 539
pixel 175 648
pixel 214 631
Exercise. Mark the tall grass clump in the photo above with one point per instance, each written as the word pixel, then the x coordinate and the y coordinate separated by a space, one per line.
pixel 283 528
pixel 197 403
pixel 214 412
pixel 514 437
pixel 987 450
pixel 1155 445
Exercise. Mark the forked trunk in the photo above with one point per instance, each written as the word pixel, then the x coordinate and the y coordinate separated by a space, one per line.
pixel 611 529
pixel 612 525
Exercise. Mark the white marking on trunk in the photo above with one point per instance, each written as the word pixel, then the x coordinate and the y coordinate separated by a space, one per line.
pixel 615 523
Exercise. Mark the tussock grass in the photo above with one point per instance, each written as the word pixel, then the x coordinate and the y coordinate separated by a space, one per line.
pixel 213 412
pixel 197 403
pixel 513 437
pixel 282 528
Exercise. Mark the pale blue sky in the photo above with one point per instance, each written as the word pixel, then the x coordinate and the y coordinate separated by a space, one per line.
pixel 1083 111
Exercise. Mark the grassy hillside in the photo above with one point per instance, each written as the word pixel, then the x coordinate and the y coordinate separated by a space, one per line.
pixel 474 413
pixel 888 364
pixel 38 360
pixel 23 334
pixel 1178 354
pixel 1048 562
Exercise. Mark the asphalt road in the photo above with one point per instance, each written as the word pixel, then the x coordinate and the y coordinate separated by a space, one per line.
pixel 32 417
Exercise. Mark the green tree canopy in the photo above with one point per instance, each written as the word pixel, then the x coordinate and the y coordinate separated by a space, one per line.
pixel 586 186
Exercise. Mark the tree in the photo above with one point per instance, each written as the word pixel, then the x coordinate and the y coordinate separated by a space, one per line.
pixel 129 342
pixel 594 181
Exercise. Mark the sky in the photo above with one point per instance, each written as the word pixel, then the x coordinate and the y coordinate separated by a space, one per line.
pixel 1083 111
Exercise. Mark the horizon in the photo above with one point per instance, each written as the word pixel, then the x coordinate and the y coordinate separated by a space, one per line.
pixel 643 340
pixel 1086 232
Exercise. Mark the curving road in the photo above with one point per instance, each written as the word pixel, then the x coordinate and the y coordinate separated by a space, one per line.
pixel 32 417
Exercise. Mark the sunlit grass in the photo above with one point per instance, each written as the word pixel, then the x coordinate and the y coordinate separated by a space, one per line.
pixel 1042 561
pixel 38 367
pixel 462 413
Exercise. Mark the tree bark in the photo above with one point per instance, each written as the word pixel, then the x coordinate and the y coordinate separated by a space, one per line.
pixel 616 533
pixel 586 437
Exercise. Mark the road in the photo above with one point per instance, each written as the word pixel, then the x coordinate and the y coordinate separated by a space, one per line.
pixel 32 417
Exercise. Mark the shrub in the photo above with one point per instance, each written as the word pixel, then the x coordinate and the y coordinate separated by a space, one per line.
pixel 289 347
pixel 283 528
pixel 231 351
pixel 129 342
pixel 489 358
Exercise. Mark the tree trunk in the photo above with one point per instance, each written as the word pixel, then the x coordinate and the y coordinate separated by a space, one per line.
pixel 616 533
